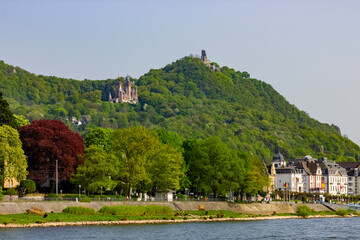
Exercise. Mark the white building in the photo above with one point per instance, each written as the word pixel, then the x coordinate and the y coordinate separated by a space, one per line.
pixel 335 178
pixel 352 169
pixel 290 176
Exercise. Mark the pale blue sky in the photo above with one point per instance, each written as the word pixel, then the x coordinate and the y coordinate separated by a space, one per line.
pixel 309 51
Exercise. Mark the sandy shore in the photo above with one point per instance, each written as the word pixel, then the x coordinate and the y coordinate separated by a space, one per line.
pixel 130 222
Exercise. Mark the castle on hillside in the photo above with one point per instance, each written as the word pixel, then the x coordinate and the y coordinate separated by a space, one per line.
pixel 207 61
pixel 126 93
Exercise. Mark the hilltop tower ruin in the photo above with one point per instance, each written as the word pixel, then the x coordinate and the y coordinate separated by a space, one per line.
pixel 207 62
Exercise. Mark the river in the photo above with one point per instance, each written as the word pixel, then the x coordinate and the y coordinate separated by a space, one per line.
pixel 320 228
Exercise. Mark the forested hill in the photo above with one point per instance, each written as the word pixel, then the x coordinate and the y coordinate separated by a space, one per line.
pixel 188 98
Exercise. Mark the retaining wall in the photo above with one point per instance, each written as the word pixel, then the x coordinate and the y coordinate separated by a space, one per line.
pixel 251 208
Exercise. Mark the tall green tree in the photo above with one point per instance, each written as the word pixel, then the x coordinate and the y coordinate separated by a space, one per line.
pixel 256 178
pixel 100 137
pixel 135 147
pixel 13 163
pixel 145 162
pixel 6 116
pixel 210 166
pixel 165 168
pixel 99 170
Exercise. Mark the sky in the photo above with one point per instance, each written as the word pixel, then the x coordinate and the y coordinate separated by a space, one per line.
pixel 308 50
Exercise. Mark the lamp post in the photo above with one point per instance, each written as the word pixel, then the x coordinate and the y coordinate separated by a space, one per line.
pixel 79 191
pixel 100 190
pixel 57 178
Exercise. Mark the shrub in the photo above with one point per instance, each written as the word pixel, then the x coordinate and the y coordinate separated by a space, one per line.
pixel 27 186
pixel 303 211
pixel 79 210
pixel 85 199
pixel 10 191
pixel 51 196
pixel 1 195
pixel 73 196
pixel 304 199
pixel 342 212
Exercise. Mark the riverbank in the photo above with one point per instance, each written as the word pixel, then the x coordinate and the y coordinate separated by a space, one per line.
pixel 17 207
pixel 139 222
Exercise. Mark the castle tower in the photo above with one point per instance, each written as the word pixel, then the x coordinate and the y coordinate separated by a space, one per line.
pixel 127 86
pixel 203 56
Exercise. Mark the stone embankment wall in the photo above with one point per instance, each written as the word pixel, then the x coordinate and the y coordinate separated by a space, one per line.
pixel 253 208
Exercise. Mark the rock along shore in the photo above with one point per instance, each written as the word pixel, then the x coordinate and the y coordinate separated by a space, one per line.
pixel 130 222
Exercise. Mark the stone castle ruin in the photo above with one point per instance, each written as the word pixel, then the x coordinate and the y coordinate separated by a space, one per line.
pixel 125 93
pixel 207 62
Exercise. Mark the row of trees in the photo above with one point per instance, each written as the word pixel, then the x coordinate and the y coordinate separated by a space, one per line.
pixel 136 158
pixel 125 160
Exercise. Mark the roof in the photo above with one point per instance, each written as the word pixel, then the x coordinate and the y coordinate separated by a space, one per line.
pixel 313 168
pixel 349 164
pixel 286 170
pixel 302 165
pixel 278 157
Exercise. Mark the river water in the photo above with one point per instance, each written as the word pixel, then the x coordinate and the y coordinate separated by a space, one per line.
pixel 320 228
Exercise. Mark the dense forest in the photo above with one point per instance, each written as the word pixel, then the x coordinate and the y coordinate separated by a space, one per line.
pixel 185 97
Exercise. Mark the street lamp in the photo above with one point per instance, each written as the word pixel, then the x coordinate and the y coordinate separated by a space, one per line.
pixel 101 191
pixel 79 191
pixel 57 178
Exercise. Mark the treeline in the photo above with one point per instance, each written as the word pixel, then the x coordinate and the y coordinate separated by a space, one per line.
pixel 188 98
pixel 146 161
pixel 124 160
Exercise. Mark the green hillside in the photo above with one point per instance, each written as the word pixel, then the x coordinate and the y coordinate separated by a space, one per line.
pixel 188 98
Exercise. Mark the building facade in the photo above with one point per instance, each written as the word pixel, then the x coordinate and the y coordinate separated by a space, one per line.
pixel 311 174
pixel 334 177
pixel 352 169
pixel 124 93
pixel 289 178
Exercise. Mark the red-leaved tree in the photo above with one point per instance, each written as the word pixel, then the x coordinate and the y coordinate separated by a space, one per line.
pixel 44 142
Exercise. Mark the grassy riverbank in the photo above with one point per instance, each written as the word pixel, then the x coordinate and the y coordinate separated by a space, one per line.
pixel 140 214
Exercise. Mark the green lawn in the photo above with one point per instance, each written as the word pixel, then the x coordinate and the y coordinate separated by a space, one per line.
pixel 124 213
pixel 119 213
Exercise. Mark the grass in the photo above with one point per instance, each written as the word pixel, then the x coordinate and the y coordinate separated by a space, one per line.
pixel 125 213
pixel 80 211
pixel 149 210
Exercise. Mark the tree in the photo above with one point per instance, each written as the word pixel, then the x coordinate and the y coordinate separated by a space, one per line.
pixel 44 142
pixel 100 169
pixel 146 163
pixel 27 186
pixel 166 168
pixel 134 147
pixel 6 116
pixel 21 120
pixel 210 166
pixel 99 137
pixel 12 159
pixel 256 178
